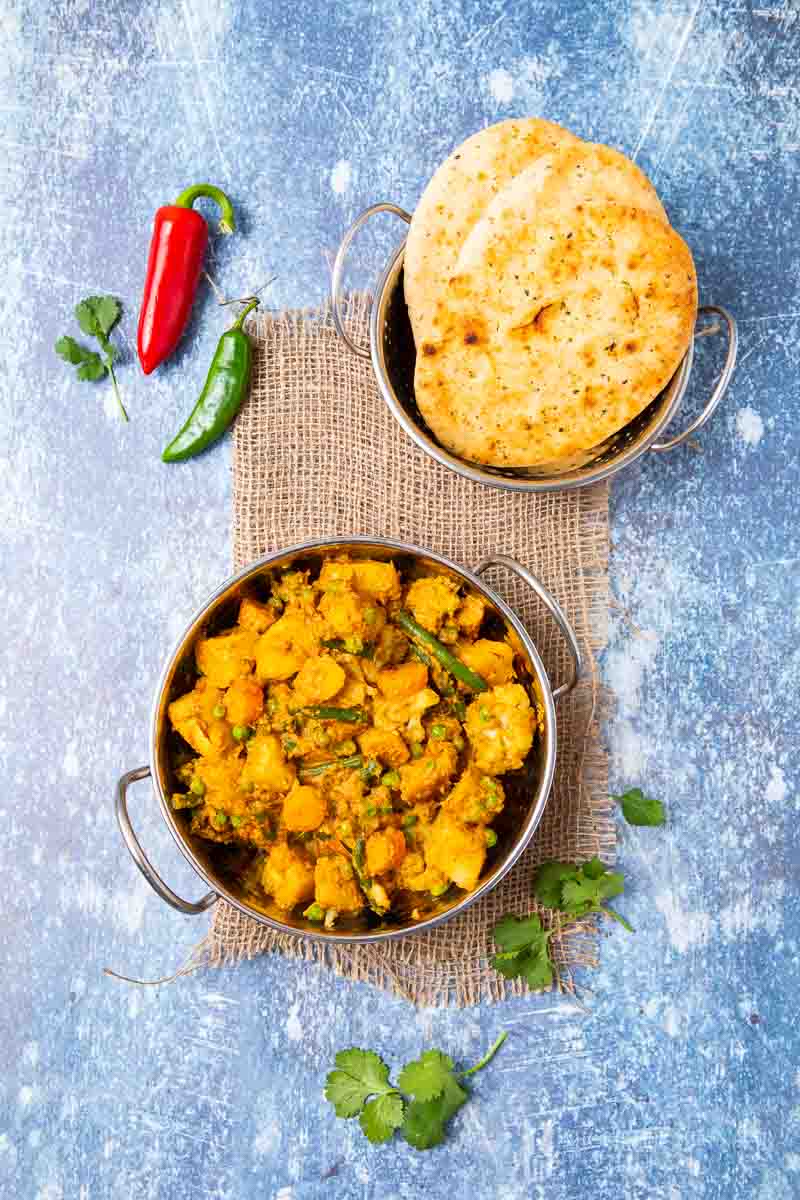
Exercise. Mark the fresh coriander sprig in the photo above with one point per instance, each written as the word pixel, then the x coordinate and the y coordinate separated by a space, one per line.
pixel 428 1093
pixel 97 316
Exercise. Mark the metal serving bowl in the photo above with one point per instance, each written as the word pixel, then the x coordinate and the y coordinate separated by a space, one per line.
pixel 527 790
pixel 393 356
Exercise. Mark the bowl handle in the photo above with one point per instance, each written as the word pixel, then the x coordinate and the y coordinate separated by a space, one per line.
pixel 338 268
pixel 721 385
pixel 554 608
pixel 140 858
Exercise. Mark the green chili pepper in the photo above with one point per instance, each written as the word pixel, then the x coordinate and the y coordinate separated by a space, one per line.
pixel 326 712
pixel 454 665
pixel 222 394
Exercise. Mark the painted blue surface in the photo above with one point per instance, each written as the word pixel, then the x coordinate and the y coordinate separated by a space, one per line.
pixel 684 1080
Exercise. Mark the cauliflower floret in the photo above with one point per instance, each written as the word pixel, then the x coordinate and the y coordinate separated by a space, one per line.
pixel 416 876
pixel 335 885
pixel 404 715
pixel 385 745
pixel 500 725
pixel 458 851
pixel 476 799
pixel 470 615
pixel 494 661
pixel 288 877
pixel 255 616
pixel 428 776
pixel 433 600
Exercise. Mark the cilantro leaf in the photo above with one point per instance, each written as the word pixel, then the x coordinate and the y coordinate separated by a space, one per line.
pixel 425 1079
pixel 423 1126
pixel 382 1116
pixel 548 880
pixel 97 315
pixel 361 1074
pixel 638 809
pixel 525 950
pixel 591 884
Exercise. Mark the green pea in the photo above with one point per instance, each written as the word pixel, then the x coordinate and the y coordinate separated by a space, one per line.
pixel 242 733
pixel 237 821
pixel 430 765
pixel 391 779
pixel 416 750
pixel 410 819
pixel 219 711
pixel 438 732
pixel 197 786
pixel 345 748
pixel 385 809
pixel 484 713
pixel 491 838
pixel 314 912
pixel 370 810
pixel 220 819
pixel 289 744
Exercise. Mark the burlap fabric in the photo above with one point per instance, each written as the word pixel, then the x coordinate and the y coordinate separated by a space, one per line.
pixel 316 454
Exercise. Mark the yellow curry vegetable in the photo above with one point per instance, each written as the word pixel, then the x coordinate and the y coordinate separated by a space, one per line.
pixel 349 732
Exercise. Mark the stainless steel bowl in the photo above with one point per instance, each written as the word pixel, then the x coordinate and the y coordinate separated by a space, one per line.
pixel 393 356
pixel 527 791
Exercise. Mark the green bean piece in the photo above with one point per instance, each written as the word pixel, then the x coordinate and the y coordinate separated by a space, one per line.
pixel 359 855
pixel 420 655
pixel 314 912
pixel 455 666
pixel 327 712
pixel 409 819
pixel 317 768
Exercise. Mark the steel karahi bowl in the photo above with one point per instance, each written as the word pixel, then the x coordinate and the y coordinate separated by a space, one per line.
pixel 527 790
pixel 393 356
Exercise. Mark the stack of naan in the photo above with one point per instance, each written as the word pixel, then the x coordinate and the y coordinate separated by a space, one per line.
pixel 550 299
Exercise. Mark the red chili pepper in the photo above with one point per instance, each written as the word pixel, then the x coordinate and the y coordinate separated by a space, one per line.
pixel 177 247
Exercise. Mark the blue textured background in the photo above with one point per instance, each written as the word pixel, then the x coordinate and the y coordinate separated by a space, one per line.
pixel 683 1081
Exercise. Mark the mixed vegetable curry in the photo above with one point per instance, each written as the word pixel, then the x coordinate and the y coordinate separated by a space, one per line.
pixel 351 731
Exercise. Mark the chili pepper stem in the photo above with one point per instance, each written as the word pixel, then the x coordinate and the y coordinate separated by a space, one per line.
pixel 117 395
pixel 239 322
pixel 487 1058
pixel 187 198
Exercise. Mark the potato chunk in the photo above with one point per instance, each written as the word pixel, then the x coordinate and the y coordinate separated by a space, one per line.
pixel 386 849
pixel 433 601
pixel 428 776
pixel 500 725
pixel 476 799
pixel 266 767
pixel 458 851
pixel 282 650
pixel 288 877
pixel 319 678
pixel 192 716
pixel 335 885
pixel 372 579
pixel 244 701
pixel 470 615
pixel 220 658
pixel 255 616
pixel 493 660
pixel 399 682
pixel 304 809
pixel 385 745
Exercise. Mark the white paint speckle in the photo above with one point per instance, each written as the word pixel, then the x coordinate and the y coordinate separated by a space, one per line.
pixel 671 1021
pixel 70 764
pixel 341 177
pixel 26 1096
pixel 294 1030
pixel 267 1139
pixel 775 791
pixel 628 665
pixel 501 86
pixel 749 426
pixel 685 928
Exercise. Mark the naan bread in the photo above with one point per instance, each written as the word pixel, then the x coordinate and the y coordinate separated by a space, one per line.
pixel 457 197
pixel 559 334
pixel 558 181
